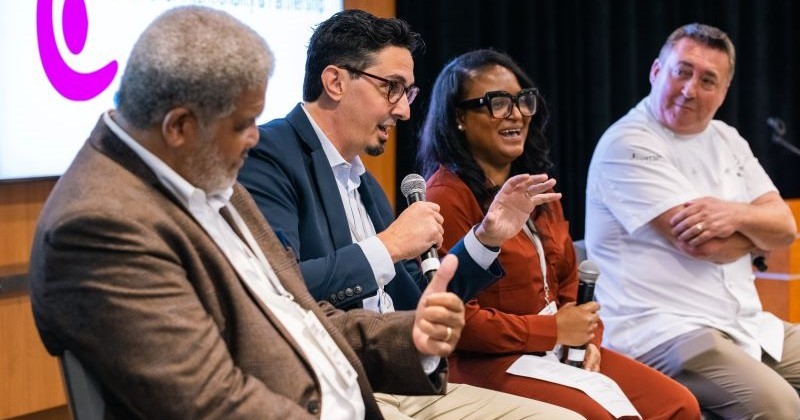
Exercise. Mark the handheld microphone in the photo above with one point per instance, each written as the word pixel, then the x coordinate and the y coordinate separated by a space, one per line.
pixel 413 188
pixel 778 128
pixel 760 263
pixel 588 272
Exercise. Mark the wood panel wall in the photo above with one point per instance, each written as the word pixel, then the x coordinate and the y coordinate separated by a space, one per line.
pixel 30 380
pixel 383 167
pixel 29 377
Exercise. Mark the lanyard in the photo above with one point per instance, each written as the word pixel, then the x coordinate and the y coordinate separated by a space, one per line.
pixel 533 234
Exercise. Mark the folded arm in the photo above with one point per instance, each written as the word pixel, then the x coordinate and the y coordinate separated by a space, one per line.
pixel 721 231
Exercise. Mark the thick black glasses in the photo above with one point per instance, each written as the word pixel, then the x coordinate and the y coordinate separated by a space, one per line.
pixel 501 103
pixel 396 89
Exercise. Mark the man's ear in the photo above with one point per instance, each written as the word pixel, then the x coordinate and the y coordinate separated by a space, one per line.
pixel 179 127
pixel 333 82
pixel 655 68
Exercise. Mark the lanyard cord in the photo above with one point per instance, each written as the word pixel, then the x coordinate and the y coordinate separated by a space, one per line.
pixel 533 234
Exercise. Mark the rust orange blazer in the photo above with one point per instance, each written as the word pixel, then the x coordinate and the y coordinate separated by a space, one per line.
pixel 502 322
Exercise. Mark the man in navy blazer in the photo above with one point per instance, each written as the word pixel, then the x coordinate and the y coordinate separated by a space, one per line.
pixel 308 180
pixel 291 175
pixel 291 180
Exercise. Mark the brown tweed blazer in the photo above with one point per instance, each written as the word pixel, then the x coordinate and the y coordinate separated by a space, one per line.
pixel 125 278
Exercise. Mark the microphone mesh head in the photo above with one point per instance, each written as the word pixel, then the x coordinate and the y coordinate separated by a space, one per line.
pixel 412 183
pixel 588 271
pixel 777 125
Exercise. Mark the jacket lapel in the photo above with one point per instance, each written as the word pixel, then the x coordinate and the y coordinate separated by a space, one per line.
pixel 285 266
pixel 327 190
pixel 371 204
pixel 107 143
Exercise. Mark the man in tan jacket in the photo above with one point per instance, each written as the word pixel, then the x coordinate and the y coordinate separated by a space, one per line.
pixel 163 278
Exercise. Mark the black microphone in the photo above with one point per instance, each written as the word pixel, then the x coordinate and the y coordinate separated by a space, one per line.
pixel 588 272
pixel 777 125
pixel 760 262
pixel 778 128
pixel 413 188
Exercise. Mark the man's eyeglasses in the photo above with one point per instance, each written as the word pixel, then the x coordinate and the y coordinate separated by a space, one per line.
pixel 501 103
pixel 396 89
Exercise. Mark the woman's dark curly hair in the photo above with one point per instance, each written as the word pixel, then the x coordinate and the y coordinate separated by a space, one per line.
pixel 441 143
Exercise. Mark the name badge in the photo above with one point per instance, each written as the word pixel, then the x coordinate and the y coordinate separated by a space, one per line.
pixel 385 302
pixel 550 309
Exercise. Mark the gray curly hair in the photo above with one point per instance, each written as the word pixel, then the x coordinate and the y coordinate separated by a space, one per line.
pixel 192 56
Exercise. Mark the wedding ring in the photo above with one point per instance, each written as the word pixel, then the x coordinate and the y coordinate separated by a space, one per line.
pixel 449 334
pixel 699 227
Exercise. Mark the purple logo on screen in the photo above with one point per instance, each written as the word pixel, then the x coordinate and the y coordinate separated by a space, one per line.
pixel 70 83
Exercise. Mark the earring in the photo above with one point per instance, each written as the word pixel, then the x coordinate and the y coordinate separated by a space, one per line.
pixel 460 127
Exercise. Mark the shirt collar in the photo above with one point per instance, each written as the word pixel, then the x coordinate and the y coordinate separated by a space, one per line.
pixel 187 193
pixel 347 173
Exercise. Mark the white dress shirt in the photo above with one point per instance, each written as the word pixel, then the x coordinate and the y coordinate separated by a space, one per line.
pixel 341 395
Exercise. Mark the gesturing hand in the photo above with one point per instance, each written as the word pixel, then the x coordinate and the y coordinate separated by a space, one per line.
pixel 439 317
pixel 512 206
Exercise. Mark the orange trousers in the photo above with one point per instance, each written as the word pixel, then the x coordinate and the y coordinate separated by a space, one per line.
pixel 655 395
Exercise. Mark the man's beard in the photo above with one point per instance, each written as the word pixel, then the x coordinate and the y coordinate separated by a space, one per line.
pixel 376 150
pixel 207 169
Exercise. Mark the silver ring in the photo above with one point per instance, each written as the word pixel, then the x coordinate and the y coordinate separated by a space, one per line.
pixel 699 227
pixel 449 334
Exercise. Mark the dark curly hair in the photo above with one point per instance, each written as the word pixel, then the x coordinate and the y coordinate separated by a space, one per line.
pixel 441 143
pixel 351 38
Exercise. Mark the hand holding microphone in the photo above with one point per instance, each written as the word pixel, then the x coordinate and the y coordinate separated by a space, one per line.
pixel 418 230
pixel 413 188
pixel 581 330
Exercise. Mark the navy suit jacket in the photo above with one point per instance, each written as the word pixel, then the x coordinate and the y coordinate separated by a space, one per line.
pixel 293 184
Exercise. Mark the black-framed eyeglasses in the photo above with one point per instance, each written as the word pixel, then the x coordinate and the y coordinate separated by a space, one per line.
pixel 396 89
pixel 501 103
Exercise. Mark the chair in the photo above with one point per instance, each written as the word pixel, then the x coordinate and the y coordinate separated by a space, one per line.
pixel 85 400
pixel 580 250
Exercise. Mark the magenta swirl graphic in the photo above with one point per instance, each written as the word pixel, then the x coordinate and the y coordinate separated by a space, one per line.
pixel 71 84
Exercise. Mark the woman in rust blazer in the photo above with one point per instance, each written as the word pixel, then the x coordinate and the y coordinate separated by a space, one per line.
pixel 484 125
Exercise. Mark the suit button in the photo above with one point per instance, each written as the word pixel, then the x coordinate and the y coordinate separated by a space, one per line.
pixel 341 295
pixel 358 290
pixel 313 407
pixel 348 292
pixel 333 298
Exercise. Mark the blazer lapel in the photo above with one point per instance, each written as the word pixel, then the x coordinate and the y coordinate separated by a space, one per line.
pixel 327 190
pixel 104 141
pixel 288 272
pixel 275 253
pixel 107 143
pixel 371 204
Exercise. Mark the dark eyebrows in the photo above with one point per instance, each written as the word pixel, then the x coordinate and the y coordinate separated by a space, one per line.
pixel 399 79
pixel 711 73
